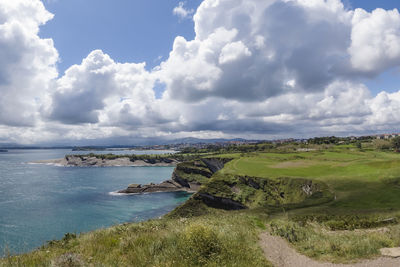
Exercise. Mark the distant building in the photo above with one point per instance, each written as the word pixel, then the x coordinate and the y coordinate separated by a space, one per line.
pixel 387 136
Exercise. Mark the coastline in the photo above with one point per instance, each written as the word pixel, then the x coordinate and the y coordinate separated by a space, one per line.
pixel 117 193
pixel 73 161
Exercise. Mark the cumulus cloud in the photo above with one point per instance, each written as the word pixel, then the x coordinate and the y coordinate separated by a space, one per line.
pixel 251 53
pixel 27 62
pixel 181 11
pixel 375 39
pixel 98 84
pixel 255 69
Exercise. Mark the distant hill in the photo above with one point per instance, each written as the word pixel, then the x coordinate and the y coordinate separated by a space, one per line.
pixel 120 143
pixel 192 140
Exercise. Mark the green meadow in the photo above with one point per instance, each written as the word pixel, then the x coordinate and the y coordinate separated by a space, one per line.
pixel 353 211
pixel 362 181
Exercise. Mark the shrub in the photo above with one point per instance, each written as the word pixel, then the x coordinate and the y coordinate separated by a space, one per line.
pixel 199 243
pixel 292 232
pixel 382 144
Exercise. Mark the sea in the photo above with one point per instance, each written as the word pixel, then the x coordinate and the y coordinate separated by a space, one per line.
pixel 39 202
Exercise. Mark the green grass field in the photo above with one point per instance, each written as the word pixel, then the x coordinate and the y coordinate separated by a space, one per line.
pixel 361 181
pixel 355 190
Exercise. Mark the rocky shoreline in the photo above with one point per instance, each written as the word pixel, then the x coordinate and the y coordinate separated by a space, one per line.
pixel 186 177
pixel 92 161
pixel 166 186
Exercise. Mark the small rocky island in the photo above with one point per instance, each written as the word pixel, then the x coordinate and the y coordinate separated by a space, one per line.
pixel 166 186
pixel 108 160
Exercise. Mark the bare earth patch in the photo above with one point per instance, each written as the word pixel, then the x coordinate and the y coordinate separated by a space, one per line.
pixel 278 251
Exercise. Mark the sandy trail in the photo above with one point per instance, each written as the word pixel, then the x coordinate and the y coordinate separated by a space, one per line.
pixel 281 254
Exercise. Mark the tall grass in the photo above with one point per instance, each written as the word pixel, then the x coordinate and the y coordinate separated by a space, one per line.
pixel 317 241
pixel 207 240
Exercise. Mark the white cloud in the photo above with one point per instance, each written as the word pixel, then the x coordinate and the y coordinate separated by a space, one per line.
pixel 385 110
pixel 232 52
pixel 250 53
pixel 247 73
pixel 27 62
pixel 87 92
pixel 375 40
pixel 181 11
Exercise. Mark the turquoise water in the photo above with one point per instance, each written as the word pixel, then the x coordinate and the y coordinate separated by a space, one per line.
pixel 40 203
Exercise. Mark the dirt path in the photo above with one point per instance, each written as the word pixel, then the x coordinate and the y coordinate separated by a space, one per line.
pixel 281 254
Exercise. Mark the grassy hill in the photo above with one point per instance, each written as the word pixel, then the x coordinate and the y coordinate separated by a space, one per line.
pixel 315 198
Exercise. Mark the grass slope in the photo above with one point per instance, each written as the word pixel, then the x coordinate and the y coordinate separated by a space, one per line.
pixel 197 241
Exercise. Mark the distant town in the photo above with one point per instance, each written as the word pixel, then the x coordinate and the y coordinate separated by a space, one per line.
pixel 179 145
pixel 202 144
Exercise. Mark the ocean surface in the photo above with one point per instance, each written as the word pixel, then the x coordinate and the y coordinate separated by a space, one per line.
pixel 39 202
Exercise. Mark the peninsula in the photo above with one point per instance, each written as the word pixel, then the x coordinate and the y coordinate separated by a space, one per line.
pixel 187 176
pixel 109 160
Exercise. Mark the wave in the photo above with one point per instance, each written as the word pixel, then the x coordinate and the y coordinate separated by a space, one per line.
pixel 129 194
pixel 46 163
pixel 121 194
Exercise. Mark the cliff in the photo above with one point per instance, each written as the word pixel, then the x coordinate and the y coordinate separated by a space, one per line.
pixel 239 192
pixel 187 176
pixel 235 192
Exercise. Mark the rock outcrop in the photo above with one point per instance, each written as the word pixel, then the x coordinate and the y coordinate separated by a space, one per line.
pixel 187 176
pixel 220 202
pixel 166 186
pixel 215 164
pixel 95 161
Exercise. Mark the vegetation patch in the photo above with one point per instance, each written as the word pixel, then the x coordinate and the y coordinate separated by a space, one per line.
pixel 205 240
pixel 349 221
pixel 315 241
pixel 253 192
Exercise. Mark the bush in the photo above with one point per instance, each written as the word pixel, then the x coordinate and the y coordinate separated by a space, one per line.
pixel 200 243
pixel 396 143
pixel 292 232
pixel 382 144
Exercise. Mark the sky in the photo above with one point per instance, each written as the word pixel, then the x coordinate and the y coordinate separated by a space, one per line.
pixel 123 71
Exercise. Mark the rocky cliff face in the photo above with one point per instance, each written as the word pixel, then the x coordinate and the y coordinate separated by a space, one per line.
pixel 215 164
pixel 232 192
pixel 187 176
pixel 220 202
pixel 238 192
pixel 193 174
